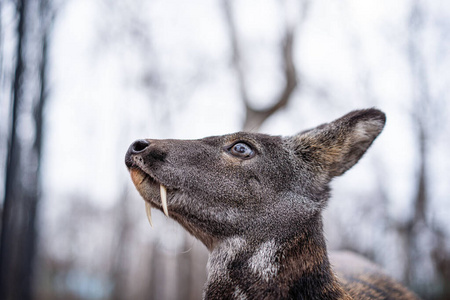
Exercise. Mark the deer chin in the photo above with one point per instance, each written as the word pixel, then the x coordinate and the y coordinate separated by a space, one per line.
pixel 147 187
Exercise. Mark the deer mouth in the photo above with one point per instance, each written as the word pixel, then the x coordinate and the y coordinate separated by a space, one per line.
pixel 146 184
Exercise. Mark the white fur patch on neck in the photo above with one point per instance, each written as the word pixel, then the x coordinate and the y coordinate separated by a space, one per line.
pixel 222 256
pixel 262 263
pixel 238 294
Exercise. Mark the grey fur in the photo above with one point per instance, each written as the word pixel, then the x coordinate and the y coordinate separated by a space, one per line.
pixel 260 215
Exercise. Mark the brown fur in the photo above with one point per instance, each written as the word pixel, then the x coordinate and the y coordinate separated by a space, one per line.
pixel 258 211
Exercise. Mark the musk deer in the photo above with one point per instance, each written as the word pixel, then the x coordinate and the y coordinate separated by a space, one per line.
pixel 255 201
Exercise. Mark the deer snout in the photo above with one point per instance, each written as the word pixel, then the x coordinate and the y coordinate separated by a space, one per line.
pixel 150 151
pixel 138 147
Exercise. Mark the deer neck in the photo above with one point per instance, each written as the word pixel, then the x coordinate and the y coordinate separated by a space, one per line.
pixel 296 268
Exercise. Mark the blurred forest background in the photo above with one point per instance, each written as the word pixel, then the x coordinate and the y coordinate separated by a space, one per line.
pixel 80 80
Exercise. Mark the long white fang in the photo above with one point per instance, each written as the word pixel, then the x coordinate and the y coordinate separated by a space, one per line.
pixel 148 211
pixel 163 192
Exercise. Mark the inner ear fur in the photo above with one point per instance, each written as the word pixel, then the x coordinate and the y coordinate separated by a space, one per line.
pixel 335 147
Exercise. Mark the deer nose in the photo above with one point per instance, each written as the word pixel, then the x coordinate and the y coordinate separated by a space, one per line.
pixel 138 146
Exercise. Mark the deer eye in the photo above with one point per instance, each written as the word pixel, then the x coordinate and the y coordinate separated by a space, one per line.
pixel 242 150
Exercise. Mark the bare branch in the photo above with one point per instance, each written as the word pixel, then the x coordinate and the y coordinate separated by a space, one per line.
pixel 236 52
pixel 255 117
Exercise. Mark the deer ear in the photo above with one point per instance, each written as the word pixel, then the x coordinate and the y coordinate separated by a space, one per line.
pixel 335 147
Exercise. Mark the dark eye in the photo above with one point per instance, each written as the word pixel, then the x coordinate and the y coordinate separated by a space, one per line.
pixel 242 150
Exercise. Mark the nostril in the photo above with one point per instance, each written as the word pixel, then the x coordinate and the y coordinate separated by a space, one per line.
pixel 139 146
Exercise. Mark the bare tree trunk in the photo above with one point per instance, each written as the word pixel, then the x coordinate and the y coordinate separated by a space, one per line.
pixel 424 111
pixel 420 203
pixel 410 229
pixel 12 217
pixel 33 197
pixel 22 179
